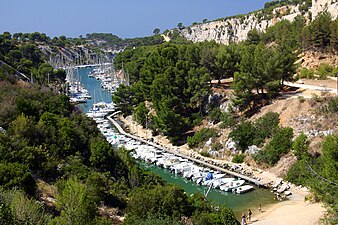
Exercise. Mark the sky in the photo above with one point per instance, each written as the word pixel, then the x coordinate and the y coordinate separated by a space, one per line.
pixel 124 18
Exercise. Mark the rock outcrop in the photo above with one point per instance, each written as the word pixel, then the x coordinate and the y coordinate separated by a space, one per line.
pixel 235 29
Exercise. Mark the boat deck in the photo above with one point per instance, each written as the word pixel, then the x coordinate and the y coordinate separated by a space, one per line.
pixel 232 173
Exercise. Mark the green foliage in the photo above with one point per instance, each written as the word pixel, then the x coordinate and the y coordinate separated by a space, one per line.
pixel 243 134
pixel 6 216
pixel 262 72
pixel 222 216
pixel 254 37
pixel 299 173
pixel 279 145
pixel 228 120
pixel 161 220
pixel 333 105
pixel 201 136
pixel 238 158
pixel 300 146
pixel 174 77
pixel 111 40
pixel 306 73
pixel 205 154
pixel 141 114
pixel 216 146
pixel 324 70
pixel 75 202
pixel 214 115
pixel 266 126
pixel 320 174
pixel 320 30
pixel 16 208
pixel 17 175
pixel 161 200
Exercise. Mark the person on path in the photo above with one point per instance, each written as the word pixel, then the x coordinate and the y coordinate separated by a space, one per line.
pixel 243 222
pixel 249 215
pixel 260 208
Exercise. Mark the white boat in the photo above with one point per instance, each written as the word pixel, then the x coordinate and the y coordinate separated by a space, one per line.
pixel 229 186
pixel 243 189
pixel 221 181
pixel 96 114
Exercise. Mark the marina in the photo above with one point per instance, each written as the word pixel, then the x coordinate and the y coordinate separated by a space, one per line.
pixel 221 191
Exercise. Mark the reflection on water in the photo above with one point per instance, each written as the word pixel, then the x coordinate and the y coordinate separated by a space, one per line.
pixel 94 87
pixel 237 202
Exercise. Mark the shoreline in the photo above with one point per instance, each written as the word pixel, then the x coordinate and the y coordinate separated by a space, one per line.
pixel 294 210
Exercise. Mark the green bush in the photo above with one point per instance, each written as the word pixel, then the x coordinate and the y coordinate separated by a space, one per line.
pixel 228 120
pixel 306 73
pixel 324 70
pixel 216 146
pixel 248 133
pixel 223 216
pixel 266 126
pixel 301 99
pixel 300 146
pixel 214 115
pixel 244 134
pixel 333 105
pixel 201 136
pixel 205 154
pixel 166 200
pixel 17 208
pixel 279 145
pixel 17 175
pixel 238 158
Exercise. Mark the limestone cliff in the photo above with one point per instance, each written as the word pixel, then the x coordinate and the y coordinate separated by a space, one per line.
pixel 236 29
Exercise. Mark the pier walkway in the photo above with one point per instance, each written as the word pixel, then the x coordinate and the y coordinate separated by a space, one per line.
pixel 232 173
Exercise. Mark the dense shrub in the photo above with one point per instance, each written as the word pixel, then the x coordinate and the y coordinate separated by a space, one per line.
pixel 248 133
pixel 266 126
pixel 244 134
pixel 228 120
pixel 300 146
pixel 205 154
pixel 161 200
pixel 17 175
pixel 325 70
pixel 306 73
pixel 214 115
pixel 279 145
pixel 238 158
pixel 321 175
pixel 333 105
pixel 17 208
pixel 216 217
pixel 216 146
pixel 201 136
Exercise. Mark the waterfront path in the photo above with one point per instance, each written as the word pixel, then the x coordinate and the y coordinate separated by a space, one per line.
pixel 232 173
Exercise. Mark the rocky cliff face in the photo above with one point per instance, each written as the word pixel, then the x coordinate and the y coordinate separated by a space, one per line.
pixel 236 29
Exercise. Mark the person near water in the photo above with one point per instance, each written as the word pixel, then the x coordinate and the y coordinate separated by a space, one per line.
pixel 249 215
pixel 260 208
pixel 243 222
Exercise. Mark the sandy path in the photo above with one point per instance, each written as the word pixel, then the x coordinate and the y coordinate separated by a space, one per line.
pixel 294 211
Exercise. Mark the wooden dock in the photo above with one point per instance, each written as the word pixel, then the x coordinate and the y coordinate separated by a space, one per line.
pixel 206 164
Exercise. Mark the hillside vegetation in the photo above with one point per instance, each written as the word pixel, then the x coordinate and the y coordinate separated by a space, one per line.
pixel 171 87
pixel 57 168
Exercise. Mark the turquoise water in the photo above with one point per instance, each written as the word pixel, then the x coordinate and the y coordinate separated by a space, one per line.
pixel 238 203
pixel 94 87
